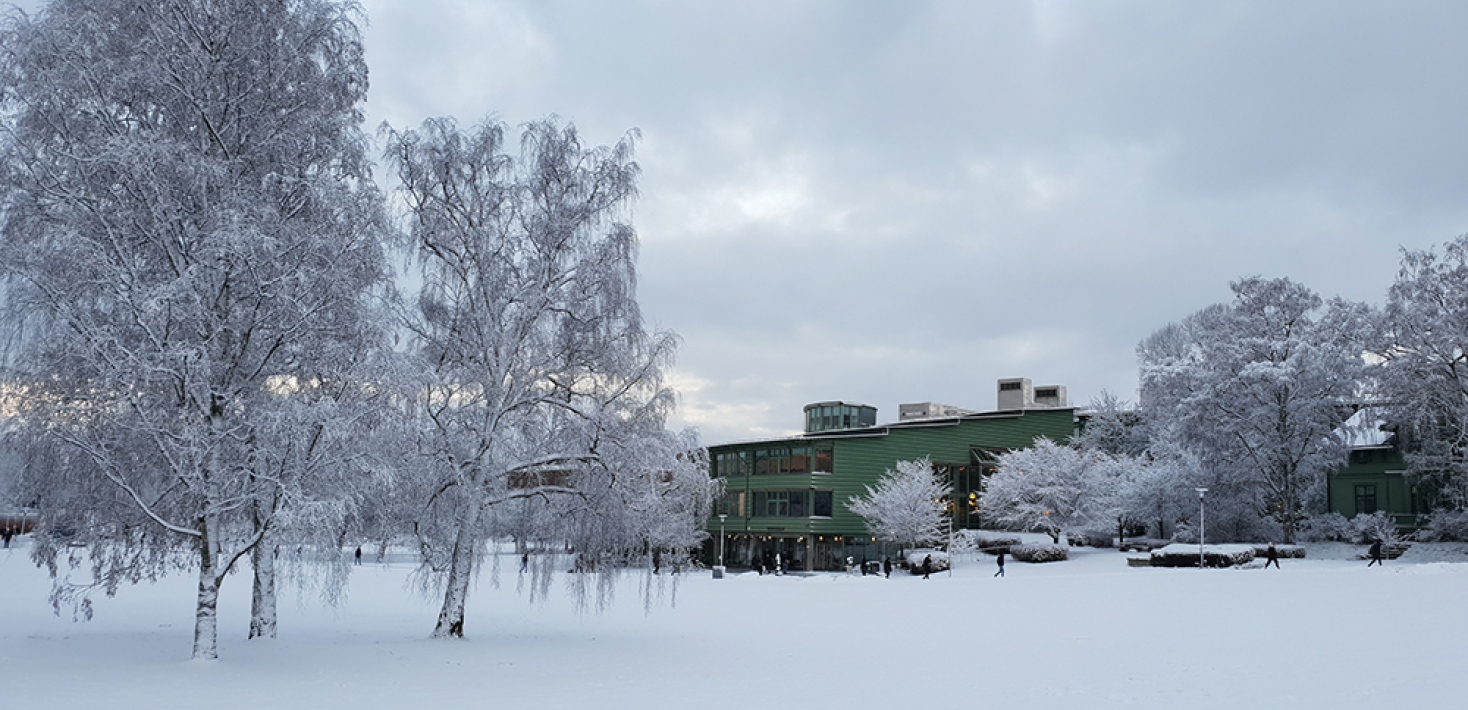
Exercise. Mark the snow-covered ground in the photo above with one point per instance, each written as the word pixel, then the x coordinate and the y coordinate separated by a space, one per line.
pixel 1324 632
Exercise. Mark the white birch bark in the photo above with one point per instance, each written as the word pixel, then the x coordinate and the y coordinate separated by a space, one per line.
pixel 262 593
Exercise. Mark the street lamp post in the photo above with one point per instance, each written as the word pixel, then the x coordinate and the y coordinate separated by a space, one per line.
pixel 1202 519
pixel 722 516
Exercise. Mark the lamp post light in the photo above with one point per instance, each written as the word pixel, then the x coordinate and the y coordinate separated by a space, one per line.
pixel 1202 519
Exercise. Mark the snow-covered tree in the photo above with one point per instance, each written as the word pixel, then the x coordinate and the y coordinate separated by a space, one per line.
pixel 537 380
pixel 1259 389
pixel 1119 433
pixel 190 236
pixel 1425 379
pixel 908 506
pixel 1114 427
pixel 1158 490
pixel 1048 487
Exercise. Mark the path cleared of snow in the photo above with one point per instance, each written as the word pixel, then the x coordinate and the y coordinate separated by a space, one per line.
pixel 1086 633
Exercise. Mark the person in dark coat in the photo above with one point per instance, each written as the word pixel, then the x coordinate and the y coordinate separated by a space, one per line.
pixel 927 566
pixel 359 555
pixel 1000 560
pixel 887 567
pixel 1375 554
pixel 525 561
pixel 1271 557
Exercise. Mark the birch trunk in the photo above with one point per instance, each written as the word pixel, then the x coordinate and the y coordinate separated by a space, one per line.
pixel 262 598
pixel 461 570
pixel 206 611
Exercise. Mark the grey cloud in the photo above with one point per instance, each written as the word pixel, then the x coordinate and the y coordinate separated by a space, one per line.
pixel 892 202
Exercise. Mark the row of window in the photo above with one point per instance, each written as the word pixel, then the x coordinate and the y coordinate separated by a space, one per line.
pixel 777 504
pixel 775 460
pixel 840 416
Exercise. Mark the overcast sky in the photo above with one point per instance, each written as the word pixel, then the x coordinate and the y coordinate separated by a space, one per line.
pixel 888 202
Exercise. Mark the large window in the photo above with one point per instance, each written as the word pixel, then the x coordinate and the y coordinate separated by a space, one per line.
pixel 731 503
pixel 792 504
pixel 824 463
pixel 820 504
pixel 1365 499
pixel 826 417
pixel 731 463
pixel 774 460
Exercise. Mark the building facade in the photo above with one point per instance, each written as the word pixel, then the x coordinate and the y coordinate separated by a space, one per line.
pixel 1374 478
pixel 787 496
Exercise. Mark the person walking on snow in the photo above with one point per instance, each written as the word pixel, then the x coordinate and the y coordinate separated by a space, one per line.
pixel 359 555
pixel 1375 553
pixel 1000 560
pixel 1271 557
pixel 927 566
pixel 887 567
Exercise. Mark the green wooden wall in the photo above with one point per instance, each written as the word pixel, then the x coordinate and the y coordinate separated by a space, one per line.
pixel 1382 470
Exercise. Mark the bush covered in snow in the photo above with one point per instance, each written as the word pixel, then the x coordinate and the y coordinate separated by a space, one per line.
pixel 1284 552
pixel 993 544
pixel 1092 538
pixel 1186 555
pixel 1326 527
pixel 915 560
pixel 1445 526
pixel 1361 530
pixel 1039 552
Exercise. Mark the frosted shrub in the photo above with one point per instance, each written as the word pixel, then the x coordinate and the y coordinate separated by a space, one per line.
pixel 1186 555
pixel 915 560
pixel 1040 553
pixel 1327 527
pixel 1284 552
pixel 993 544
pixel 1445 526
pixel 1092 538
pixel 1377 526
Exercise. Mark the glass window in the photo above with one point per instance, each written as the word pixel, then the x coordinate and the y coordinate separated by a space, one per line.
pixel 821 504
pixel 1365 500
pixel 800 460
pixel 797 504
pixel 786 504
pixel 823 461
pixel 731 463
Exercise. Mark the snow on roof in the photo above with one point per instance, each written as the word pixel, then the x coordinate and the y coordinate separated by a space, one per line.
pixel 1364 430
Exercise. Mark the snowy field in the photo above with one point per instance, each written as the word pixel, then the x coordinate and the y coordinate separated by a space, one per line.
pixel 1088 633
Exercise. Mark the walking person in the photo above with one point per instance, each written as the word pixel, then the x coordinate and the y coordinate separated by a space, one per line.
pixel 524 561
pixel 1000 560
pixel 1375 553
pixel 1271 557
pixel 358 556
pixel 927 566
pixel 887 567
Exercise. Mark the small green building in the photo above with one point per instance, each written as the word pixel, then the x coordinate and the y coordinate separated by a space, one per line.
pixel 1374 478
pixel 787 496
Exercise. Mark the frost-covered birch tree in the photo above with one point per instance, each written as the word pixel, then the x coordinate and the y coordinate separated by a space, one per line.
pixel 537 379
pixel 1259 389
pixel 1425 379
pixel 190 237
pixel 908 506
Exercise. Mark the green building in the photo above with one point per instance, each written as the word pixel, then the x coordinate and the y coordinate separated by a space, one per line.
pixel 1374 478
pixel 788 496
